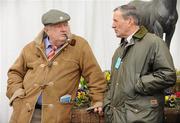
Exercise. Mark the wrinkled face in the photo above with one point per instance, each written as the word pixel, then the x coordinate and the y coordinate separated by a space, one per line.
pixel 58 33
pixel 120 25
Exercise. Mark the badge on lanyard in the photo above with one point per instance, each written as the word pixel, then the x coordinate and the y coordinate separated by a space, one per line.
pixel 118 63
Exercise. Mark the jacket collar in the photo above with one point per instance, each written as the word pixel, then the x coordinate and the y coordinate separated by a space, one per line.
pixel 137 36
pixel 39 39
pixel 140 33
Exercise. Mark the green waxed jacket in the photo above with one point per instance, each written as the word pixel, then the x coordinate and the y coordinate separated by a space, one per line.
pixel 136 89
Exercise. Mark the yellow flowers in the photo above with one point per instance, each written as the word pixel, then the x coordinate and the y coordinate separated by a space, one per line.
pixel 81 95
pixel 107 75
pixel 172 98
pixel 170 101
pixel 166 99
pixel 82 99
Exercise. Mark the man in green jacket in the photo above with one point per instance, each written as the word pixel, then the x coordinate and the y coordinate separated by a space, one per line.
pixel 142 68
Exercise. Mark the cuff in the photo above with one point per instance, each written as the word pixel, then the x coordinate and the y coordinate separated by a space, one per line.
pixel 18 93
pixel 98 104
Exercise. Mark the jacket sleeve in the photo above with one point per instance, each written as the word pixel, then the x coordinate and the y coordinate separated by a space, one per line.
pixel 91 71
pixel 107 95
pixel 162 74
pixel 16 74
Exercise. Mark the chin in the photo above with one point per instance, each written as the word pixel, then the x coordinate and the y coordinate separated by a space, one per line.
pixel 62 39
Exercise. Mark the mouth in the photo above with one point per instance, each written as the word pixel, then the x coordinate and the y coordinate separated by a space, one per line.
pixel 64 35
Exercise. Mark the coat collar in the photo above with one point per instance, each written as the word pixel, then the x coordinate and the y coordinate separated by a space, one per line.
pixel 39 39
pixel 137 36
pixel 140 33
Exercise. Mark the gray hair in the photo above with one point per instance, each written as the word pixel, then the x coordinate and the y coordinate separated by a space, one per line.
pixel 129 10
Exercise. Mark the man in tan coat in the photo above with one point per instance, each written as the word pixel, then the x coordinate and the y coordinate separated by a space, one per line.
pixel 44 79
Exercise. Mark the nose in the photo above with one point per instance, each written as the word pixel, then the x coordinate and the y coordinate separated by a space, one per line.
pixel 63 28
pixel 113 25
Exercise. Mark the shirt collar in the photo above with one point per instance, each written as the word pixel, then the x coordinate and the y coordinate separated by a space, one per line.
pixel 130 37
pixel 47 42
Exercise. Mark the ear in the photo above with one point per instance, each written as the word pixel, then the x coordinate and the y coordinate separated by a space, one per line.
pixel 131 20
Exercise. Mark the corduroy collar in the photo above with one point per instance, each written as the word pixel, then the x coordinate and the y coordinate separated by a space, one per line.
pixel 140 33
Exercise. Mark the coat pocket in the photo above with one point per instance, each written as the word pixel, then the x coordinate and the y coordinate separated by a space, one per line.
pixel 141 112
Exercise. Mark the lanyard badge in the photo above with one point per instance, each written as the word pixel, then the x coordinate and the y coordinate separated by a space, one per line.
pixel 118 63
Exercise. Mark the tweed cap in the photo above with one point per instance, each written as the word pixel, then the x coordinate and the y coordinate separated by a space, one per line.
pixel 54 16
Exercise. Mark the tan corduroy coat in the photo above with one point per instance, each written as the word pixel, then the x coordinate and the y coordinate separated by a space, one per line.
pixel 32 74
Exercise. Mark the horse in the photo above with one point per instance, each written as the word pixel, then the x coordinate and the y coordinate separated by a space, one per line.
pixel 158 16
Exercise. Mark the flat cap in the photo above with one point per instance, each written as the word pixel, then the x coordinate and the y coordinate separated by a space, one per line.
pixel 54 16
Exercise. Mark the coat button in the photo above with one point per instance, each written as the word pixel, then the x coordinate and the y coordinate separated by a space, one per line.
pixel 51 83
pixel 29 107
pixel 136 110
pixel 35 85
pixel 50 105
pixel 55 63
pixel 42 65
pixel 43 86
pixel 117 84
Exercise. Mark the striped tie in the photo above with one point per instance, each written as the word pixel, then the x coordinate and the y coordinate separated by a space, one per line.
pixel 52 52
